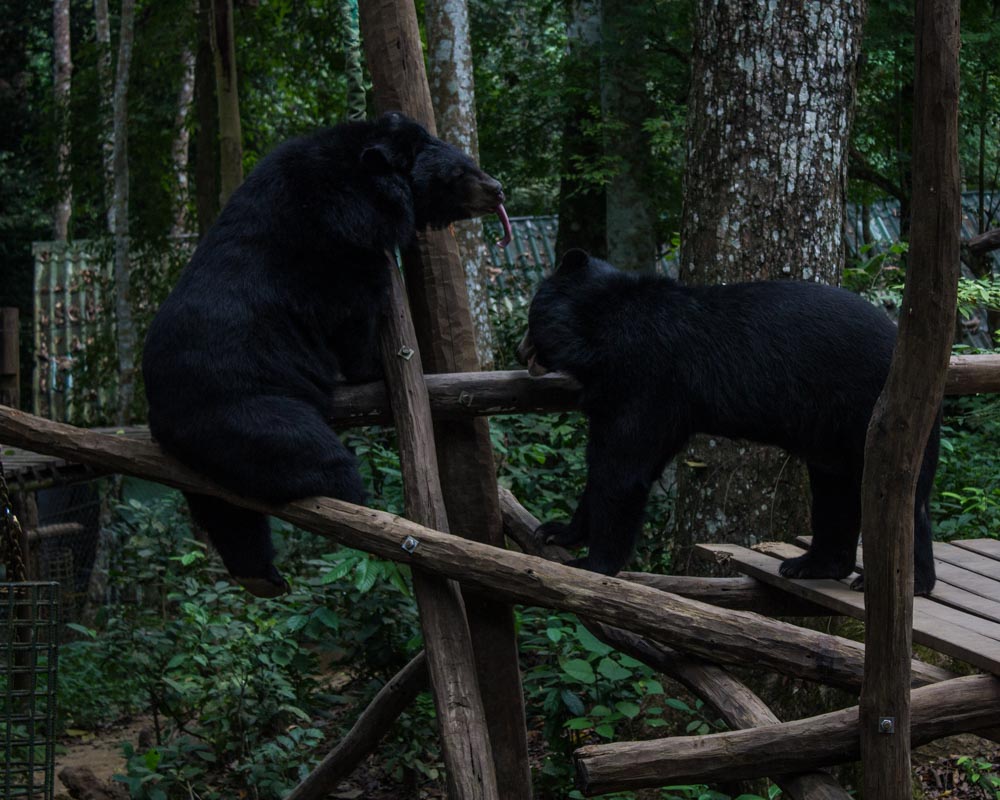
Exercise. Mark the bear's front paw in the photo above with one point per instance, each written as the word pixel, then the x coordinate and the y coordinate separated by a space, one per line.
pixel 594 565
pixel 560 534
pixel 811 566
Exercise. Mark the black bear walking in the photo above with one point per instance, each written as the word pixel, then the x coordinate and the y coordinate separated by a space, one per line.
pixel 281 300
pixel 793 364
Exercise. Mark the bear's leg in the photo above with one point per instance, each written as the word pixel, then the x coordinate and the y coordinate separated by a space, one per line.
pixel 243 539
pixel 622 463
pixel 836 525
pixel 274 449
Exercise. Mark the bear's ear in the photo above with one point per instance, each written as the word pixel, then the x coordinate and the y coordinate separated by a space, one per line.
pixel 573 261
pixel 377 158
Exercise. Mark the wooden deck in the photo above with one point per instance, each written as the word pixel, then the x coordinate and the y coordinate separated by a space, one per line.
pixel 27 471
pixel 961 618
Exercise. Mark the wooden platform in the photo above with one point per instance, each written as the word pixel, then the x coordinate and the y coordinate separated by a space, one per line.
pixel 27 471
pixel 961 618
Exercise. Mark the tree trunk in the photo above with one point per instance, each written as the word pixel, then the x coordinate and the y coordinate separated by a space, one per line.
pixel 909 405
pixel 769 119
pixel 357 105
pixel 61 82
pixel 581 202
pixel 625 106
pixel 123 293
pixel 206 144
pixel 105 80
pixel 453 94
pixel 230 137
pixel 181 143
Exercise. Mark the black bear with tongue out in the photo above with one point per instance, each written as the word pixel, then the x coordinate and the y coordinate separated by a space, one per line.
pixel 281 300
pixel 787 363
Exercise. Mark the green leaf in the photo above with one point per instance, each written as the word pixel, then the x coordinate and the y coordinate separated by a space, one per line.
pixel 606 731
pixel 579 723
pixel 678 705
pixel 572 702
pixel 579 670
pixel 610 670
pixel 627 709
pixel 590 642
pixel 327 617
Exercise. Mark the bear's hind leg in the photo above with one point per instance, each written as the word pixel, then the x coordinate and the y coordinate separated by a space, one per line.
pixel 243 539
pixel 836 525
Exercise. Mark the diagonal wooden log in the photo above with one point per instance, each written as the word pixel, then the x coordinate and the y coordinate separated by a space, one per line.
pixel 726 636
pixel 465 740
pixel 730 698
pixel 955 706
pixel 391 700
pixel 439 301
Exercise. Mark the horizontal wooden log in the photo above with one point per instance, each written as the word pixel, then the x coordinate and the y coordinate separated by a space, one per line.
pixel 730 699
pixel 727 636
pixel 956 706
pixel 465 394
pixel 984 242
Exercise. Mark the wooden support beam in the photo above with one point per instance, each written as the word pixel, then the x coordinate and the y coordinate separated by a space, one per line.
pixel 908 405
pixel 726 636
pixel 732 700
pixel 10 357
pixel 456 395
pixel 391 700
pixel 955 706
pixel 465 740
pixel 439 300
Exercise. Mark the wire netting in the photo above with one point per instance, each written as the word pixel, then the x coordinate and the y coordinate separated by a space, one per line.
pixel 29 640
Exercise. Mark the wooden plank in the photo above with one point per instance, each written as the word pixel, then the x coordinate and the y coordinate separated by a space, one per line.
pixel 984 547
pixel 956 587
pixel 929 628
pixel 968 560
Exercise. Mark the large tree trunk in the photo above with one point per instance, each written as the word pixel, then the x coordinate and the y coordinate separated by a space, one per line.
pixel 357 105
pixel 181 143
pixel 769 119
pixel 61 82
pixel 123 303
pixel 206 145
pixel 631 219
pixel 105 80
pixel 581 202
pixel 230 136
pixel 453 94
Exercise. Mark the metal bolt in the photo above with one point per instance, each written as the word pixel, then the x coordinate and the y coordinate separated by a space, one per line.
pixel 886 724
pixel 409 544
pixel 465 399
pixel 405 352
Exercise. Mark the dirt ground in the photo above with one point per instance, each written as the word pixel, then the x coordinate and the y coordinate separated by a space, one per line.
pixel 101 752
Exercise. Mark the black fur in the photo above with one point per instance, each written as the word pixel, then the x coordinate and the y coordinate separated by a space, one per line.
pixel 281 300
pixel 793 364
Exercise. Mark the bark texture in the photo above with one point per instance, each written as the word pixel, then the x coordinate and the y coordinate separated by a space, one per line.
pixel 61 83
pixel 181 143
pixel 453 94
pixel 909 404
pixel 206 152
pixel 227 96
pixel 769 119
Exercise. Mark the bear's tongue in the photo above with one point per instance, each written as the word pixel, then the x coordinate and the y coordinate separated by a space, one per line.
pixel 505 222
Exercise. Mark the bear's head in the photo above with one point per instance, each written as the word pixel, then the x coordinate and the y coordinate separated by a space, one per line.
pixel 446 185
pixel 562 315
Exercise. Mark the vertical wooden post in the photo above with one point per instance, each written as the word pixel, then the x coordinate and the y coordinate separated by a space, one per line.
pixel 464 734
pixel 909 403
pixel 439 302
pixel 10 358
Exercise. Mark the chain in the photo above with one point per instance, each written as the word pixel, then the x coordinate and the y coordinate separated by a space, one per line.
pixel 10 535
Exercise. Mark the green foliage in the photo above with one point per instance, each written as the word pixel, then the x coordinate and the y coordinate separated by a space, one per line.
pixel 980 773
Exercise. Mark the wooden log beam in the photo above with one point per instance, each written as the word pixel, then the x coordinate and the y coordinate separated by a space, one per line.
pixel 455 395
pixel 727 636
pixel 465 740
pixel 391 700
pixel 985 242
pixel 732 700
pixel 955 706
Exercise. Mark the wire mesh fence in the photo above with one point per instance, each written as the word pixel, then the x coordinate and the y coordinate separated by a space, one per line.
pixel 29 640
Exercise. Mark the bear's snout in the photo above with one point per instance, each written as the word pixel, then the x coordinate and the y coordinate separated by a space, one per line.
pixel 526 355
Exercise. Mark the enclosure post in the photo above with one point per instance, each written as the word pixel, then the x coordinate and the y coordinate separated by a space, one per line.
pixel 439 301
pixel 908 406
pixel 10 361
pixel 464 735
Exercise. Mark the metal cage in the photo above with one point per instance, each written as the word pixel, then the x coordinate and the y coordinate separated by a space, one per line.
pixel 29 639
